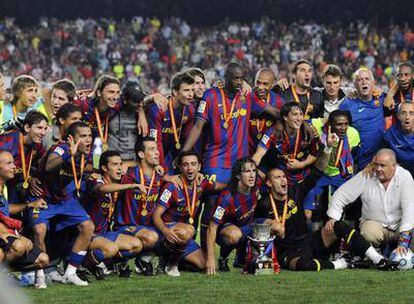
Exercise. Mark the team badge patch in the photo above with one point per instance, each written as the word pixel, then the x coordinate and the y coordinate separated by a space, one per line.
pixel 219 213
pixel 201 106
pixel 165 196
pixel 59 151
pixel 265 139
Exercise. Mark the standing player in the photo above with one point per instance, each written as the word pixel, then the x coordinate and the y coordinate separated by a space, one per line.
pixel 367 116
pixel 230 224
pixel 101 197
pixel 299 250
pixel 177 210
pixel 62 172
pixel 171 128
pixel 265 80
pixel 301 91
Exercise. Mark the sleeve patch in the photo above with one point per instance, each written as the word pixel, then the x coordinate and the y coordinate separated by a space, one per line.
pixel 202 106
pixel 265 139
pixel 219 213
pixel 153 133
pixel 165 196
pixel 59 151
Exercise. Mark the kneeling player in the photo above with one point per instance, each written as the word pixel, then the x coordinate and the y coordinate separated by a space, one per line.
pixel 15 249
pixel 101 197
pixel 299 250
pixel 176 211
pixel 231 221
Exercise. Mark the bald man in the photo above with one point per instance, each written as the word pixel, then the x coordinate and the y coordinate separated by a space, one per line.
pixel 260 122
pixel 387 202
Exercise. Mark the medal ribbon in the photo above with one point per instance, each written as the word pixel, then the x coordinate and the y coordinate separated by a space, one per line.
pixel 142 179
pixel 113 197
pixel 260 124
pixel 26 172
pixel 277 219
pixel 103 136
pixel 174 126
pixel 75 174
pixel 223 102
pixel 297 144
pixel 190 206
pixel 296 97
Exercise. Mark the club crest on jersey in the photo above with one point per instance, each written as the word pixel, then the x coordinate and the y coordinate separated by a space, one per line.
pixel 59 151
pixel 218 214
pixel 165 195
pixel 201 106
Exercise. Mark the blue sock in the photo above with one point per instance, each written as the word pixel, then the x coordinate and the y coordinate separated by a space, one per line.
pixel 126 254
pixel 98 254
pixel 75 259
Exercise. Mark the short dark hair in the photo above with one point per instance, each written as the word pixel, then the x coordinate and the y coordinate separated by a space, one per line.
pixel 298 63
pixel 271 170
pixel 193 72
pixel 179 79
pixel 190 152
pixel 104 159
pixel 65 110
pixel 132 91
pixel 406 64
pixel 338 113
pixel 34 117
pixel 236 170
pixel 332 70
pixel 73 128
pixel 104 81
pixel 67 86
pixel 287 108
pixel 139 144
pixel 230 68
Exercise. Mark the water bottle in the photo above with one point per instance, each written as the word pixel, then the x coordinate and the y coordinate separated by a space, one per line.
pixel 97 151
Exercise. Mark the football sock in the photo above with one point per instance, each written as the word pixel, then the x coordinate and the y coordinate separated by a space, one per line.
pixel 373 255
pixel 357 244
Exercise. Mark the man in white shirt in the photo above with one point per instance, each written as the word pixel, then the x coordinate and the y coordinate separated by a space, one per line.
pixel 387 202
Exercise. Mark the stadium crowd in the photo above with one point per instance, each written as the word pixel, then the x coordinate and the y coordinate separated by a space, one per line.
pixel 96 171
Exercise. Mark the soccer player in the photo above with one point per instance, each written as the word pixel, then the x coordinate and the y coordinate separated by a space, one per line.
pixel 25 146
pixel 170 128
pixel 295 150
pixel 401 91
pixel 199 84
pixel 264 82
pixel 230 223
pixel 301 91
pixel 299 250
pixel 367 116
pixel 64 117
pixel 176 211
pixel 400 137
pixel 63 91
pixel 387 208
pixel 100 200
pixel 62 173
pixel 336 162
pixel 17 250
pixel 133 214
pixel 226 114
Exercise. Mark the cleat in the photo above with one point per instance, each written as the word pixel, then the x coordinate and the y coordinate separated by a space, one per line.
pixel 172 271
pixel 124 271
pixel 74 279
pixel 387 265
pixel 97 272
pixel 223 264
pixel 54 276
pixel 82 273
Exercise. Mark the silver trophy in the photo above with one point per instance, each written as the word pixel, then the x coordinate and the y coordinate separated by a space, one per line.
pixel 260 246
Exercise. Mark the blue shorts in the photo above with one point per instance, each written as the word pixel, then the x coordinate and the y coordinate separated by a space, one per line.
pixel 133 230
pixel 221 175
pixel 191 247
pixel 65 214
pixel 110 235
pixel 246 230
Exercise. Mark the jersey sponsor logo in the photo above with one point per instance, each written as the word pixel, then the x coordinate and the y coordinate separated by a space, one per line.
pixel 236 114
pixel 153 133
pixel 165 195
pixel 202 106
pixel 265 139
pixel 219 213
pixel 59 151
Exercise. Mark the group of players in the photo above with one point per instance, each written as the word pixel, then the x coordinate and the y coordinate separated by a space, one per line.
pixel 212 161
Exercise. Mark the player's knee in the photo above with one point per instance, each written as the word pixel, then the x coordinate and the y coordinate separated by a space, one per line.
pixel 42 260
pixel 187 233
pixel 148 239
pixel 19 247
pixel 136 246
pixel 110 249
pixel 233 236
pixel 306 264
pixel 86 228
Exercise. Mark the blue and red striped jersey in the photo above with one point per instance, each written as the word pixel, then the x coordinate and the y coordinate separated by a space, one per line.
pixel 161 130
pixel 261 122
pixel 284 146
pixel 136 208
pixel 225 146
pixel 173 200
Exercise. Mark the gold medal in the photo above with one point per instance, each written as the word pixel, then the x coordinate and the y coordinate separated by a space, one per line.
pixel 178 146
pixel 105 147
pixel 225 125
pixel 25 185
pixel 144 212
pixel 191 220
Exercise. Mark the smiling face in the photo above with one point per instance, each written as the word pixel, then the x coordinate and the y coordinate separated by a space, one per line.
pixel 294 119
pixel 36 131
pixel 340 126
pixel 190 167
pixel 28 95
pixel 72 117
pixel 277 182
pixel 185 94
pixel 405 77
pixel 7 166
pixel 406 117
pixel 303 75
pixel 199 87
pixel 110 94
pixel 264 82
pixel 364 84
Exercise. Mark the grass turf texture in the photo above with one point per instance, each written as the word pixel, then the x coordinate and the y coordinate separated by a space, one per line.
pixel 344 286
